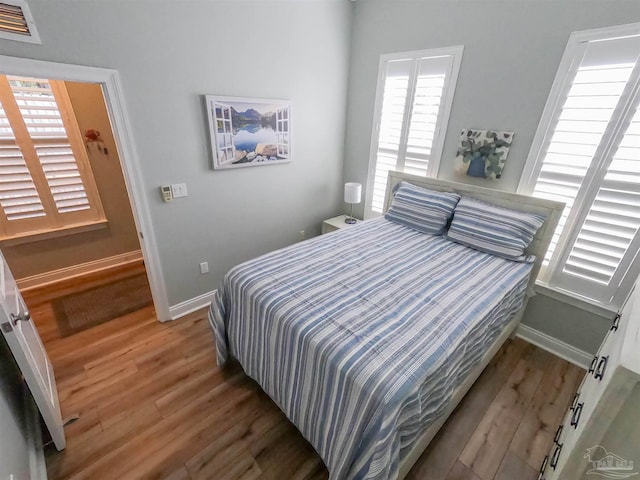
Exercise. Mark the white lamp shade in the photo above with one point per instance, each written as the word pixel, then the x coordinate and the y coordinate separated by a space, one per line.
pixel 352 192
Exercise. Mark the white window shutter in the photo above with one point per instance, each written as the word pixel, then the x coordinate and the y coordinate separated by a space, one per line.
pixel 608 239
pixel 19 198
pixel 392 126
pixel 415 93
pixel 587 154
pixel 589 104
pixel 44 123
pixel 425 113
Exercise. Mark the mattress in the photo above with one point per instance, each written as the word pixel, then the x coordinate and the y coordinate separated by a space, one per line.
pixel 362 335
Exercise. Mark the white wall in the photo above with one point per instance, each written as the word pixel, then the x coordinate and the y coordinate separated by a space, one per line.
pixel 169 54
pixel 511 54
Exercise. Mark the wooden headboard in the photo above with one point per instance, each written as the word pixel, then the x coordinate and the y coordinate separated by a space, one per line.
pixel 550 209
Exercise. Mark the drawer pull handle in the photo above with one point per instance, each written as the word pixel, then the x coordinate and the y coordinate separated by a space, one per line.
pixel 592 367
pixel 556 438
pixel 575 418
pixel 555 456
pixel 616 322
pixel 543 467
pixel 574 402
pixel 602 366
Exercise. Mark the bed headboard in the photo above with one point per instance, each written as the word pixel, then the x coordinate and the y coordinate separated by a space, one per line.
pixel 550 209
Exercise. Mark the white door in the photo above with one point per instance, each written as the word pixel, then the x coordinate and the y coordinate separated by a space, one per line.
pixel 28 350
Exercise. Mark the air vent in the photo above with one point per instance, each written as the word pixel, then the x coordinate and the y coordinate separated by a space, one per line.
pixel 16 22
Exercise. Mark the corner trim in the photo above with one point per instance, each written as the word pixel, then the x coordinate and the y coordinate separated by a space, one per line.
pixel 557 347
pixel 196 303
pixel 42 279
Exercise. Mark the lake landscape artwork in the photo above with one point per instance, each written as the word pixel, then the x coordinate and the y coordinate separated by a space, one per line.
pixel 249 131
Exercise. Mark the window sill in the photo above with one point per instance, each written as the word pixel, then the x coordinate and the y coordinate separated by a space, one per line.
pixel 53 233
pixel 583 303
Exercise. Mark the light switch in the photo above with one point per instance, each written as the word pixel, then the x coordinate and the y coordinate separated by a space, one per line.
pixel 179 190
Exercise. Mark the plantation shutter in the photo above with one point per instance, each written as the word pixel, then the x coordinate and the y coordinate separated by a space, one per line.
pixel 394 103
pixel 608 238
pixel 590 160
pixel 411 114
pixel 590 102
pixel 19 198
pixel 45 180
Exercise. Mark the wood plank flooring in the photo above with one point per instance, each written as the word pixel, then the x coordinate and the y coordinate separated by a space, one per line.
pixel 153 404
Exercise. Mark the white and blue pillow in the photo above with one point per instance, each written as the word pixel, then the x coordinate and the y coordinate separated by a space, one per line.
pixel 423 210
pixel 492 229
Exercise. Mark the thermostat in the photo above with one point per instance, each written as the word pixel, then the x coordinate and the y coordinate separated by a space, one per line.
pixel 165 190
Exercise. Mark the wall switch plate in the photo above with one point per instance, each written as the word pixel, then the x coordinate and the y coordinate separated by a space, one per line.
pixel 204 268
pixel 179 190
pixel 165 191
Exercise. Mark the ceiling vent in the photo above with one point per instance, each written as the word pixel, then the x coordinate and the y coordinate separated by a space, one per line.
pixel 16 22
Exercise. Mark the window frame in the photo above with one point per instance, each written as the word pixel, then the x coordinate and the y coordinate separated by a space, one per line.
pixel 54 223
pixel 550 277
pixel 444 114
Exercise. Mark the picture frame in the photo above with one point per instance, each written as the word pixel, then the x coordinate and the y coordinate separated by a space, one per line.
pixel 247 132
pixel 482 153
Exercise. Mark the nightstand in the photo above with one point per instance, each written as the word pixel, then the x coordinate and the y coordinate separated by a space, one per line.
pixel 336 223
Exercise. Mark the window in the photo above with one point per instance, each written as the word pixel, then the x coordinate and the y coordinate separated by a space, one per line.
pixel 586 153
pixel 45 180
pixel 414 97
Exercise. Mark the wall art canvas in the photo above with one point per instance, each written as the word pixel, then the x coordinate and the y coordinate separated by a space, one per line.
pixel 248 131
pixel 482 153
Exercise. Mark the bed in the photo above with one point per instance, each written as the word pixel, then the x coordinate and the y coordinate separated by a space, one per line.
pixel 368 337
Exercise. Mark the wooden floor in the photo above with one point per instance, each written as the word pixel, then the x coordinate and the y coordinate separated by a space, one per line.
pixel 153 404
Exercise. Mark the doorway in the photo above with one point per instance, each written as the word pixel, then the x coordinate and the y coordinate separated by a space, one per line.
pixel 108 80
pixel 68 233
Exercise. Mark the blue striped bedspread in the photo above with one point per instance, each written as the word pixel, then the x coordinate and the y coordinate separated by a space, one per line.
pixel 361 335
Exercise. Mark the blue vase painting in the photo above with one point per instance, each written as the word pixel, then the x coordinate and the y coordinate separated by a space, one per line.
pixel 482 153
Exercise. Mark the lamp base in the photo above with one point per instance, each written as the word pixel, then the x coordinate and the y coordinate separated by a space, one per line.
pixel 350 220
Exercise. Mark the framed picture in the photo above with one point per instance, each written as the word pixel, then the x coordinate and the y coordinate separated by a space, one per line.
pixel 482 153
pixel 248 131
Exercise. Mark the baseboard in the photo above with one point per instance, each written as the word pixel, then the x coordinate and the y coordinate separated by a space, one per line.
pixel 183 308
pixel 555 346
pixel 42 279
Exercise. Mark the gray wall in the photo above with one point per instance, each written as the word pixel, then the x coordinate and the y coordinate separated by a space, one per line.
pixel 169 54
pixel 511 54
pixel 14 448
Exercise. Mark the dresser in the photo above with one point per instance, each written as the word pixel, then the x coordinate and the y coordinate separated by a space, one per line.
pixel 600 435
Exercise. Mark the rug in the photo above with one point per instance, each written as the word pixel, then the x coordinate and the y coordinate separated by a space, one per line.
pixel 94 306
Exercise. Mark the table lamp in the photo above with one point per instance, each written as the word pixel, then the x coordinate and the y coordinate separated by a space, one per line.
pixel 352 194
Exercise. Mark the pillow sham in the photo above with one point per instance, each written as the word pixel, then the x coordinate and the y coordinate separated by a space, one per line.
pixel 423 210
pixel 496 230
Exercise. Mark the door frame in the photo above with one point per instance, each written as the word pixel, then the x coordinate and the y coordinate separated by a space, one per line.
pixel 109 80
